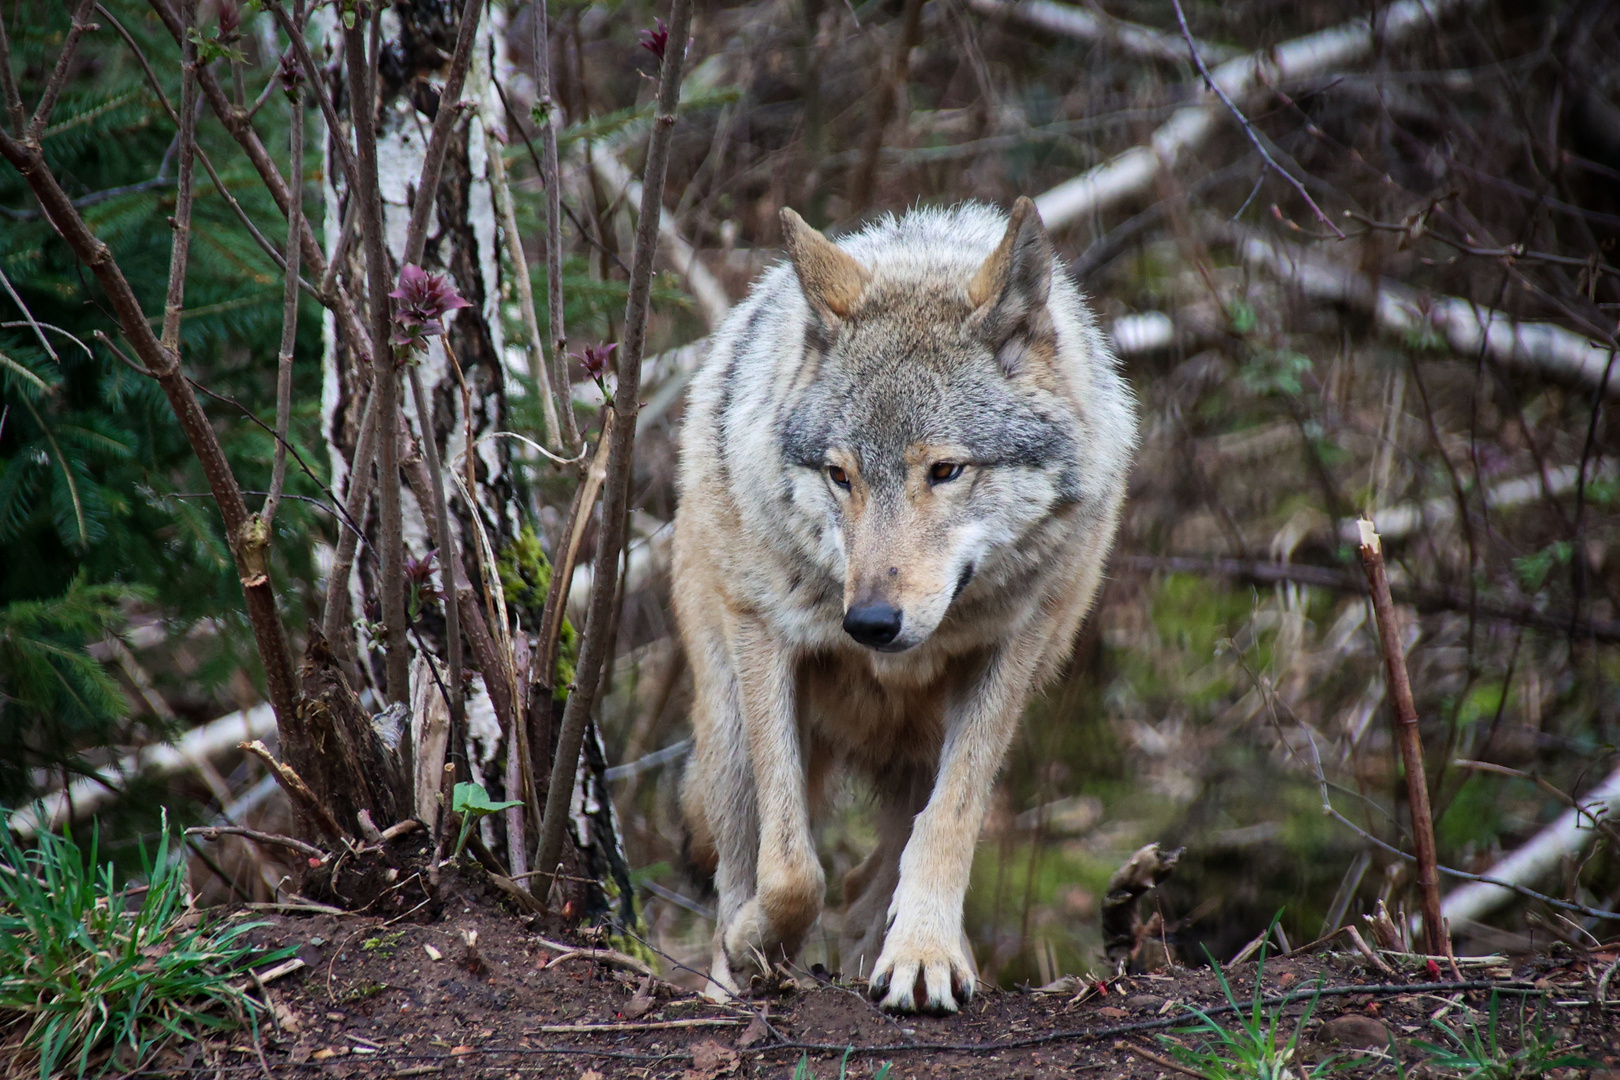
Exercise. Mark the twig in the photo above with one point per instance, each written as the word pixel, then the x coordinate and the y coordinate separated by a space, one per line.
pixel 650 1025
pixel 214 832
pixel 297 790
pixel 163 364
pixel 525 290
pixel 1366 950
pixel 604 956
pixel 1162 1062
pixel 1404 714
pixel 58 77
pixel 449 560
pixel 1601 824
pixel 289 300
pixel 29 317
pixel 354 502
pixel 562 572
pixel 347 157
pixel 551 180
pixel 600 617
pixel 1243 122
pixel 15 111
pixel 1072 20
pixel 180 222
pixel 891 98
pixel 1512 886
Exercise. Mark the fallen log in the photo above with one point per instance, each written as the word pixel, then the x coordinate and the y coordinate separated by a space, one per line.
pixel 1133 172
pixel 1543 348
pixel 1067 20
pixel 1538 857
pixel 89 793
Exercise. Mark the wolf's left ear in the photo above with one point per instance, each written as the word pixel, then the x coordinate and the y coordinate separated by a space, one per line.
pixel 1010 290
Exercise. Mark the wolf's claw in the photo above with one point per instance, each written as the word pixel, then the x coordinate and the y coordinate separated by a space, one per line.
pixel 919 979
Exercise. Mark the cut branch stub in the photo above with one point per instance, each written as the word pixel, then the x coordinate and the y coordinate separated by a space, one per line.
pixel 1407 738
pixel 336 748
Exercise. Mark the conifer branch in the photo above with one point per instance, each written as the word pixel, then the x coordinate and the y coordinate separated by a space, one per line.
pixel 163 364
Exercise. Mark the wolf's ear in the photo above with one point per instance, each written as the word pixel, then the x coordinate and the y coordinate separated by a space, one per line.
pixel 1009 291
pixel 831 279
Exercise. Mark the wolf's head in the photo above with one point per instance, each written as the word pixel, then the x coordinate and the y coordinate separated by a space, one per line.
pixel 935 422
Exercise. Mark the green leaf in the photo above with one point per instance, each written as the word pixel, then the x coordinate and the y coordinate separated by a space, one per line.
pixel 473 799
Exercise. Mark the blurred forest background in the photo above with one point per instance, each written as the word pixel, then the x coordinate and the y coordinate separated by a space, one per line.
pixel 1376 275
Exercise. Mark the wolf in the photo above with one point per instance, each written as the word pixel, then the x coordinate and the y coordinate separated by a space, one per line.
pixel 901 471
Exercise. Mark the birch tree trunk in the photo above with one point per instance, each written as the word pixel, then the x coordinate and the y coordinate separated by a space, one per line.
pixel 468 384
pixel 465 373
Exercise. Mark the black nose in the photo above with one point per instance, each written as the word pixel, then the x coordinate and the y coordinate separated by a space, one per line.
pixel 873 624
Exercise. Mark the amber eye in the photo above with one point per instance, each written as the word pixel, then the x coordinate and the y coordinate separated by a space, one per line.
pixel 838 476
pixel 945 471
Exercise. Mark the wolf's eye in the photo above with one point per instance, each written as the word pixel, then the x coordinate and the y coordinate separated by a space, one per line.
pixel 838 476
pixel 945 471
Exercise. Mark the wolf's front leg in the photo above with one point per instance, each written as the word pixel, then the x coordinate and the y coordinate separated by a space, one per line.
pixel 925 965
pixel 789 883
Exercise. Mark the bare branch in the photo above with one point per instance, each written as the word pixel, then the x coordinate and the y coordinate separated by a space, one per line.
pixel 214 832
pixel 1243 122
pixel 551 180
pixel 15 111
pixel 313 76
pixel 621 451
pixel 449 559
pixel 525 291
pixel 58 78
pixel 385 380
pixel 180 250
pixel 354 502
pixel 289 308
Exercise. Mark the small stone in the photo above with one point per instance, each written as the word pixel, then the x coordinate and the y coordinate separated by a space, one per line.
pixel 1360 1032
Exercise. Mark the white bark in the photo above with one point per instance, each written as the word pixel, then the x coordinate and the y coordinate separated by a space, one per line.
pixel 1569 835
pixel 1543 348
pixel 1070 21
pixel 197 745
pixel 1132 173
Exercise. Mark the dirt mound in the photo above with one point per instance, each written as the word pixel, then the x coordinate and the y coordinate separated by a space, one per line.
pixel 480 992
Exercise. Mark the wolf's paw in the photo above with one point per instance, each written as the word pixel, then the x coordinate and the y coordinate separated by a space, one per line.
pixel 922 976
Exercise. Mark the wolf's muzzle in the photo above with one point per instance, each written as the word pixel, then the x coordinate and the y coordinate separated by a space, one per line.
pixel 873 625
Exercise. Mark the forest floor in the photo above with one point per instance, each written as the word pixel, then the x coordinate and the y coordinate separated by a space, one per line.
pixel 482 993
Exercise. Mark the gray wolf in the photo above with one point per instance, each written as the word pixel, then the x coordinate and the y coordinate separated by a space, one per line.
pixel 901 470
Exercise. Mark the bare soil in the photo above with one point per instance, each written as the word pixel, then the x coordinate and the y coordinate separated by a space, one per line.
pixel 479 992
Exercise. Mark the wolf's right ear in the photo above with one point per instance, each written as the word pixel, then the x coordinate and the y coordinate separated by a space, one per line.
pixel 1010 290
pixel 830 277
